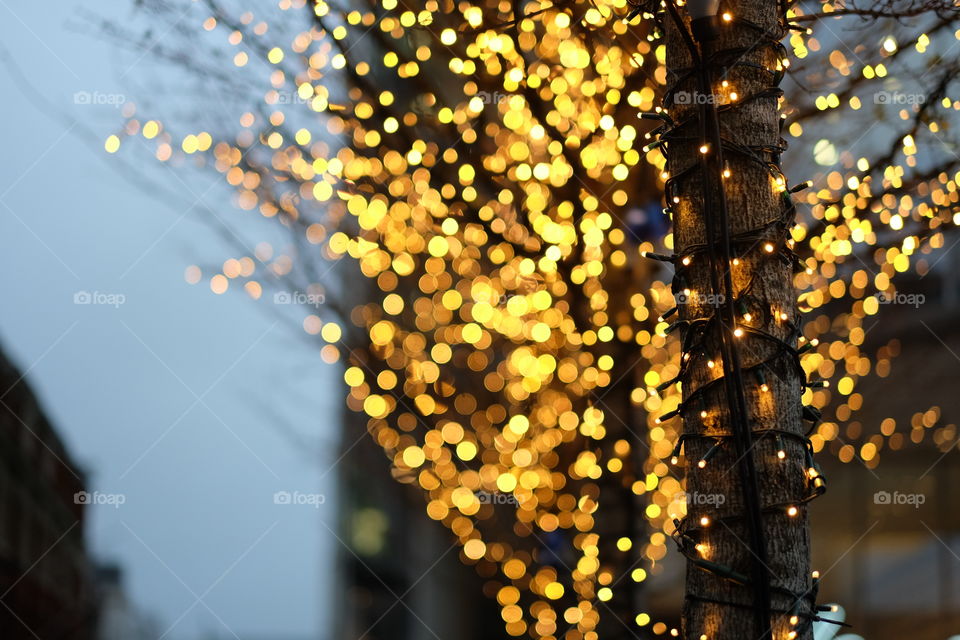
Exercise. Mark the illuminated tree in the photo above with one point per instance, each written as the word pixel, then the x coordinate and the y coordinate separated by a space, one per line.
pixel 467 186
pixel 746 533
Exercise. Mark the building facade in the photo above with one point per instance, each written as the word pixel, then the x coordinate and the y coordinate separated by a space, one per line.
pixel 46 579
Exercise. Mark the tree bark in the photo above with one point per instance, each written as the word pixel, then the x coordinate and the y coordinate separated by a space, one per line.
pixel 718 608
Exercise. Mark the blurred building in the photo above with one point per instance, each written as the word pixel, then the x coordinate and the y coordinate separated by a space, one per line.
pixel 398 573
pixel 117 617
pixel 46 583
pixel 887 533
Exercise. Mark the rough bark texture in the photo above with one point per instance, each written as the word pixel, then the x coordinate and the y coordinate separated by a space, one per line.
pixel 753 201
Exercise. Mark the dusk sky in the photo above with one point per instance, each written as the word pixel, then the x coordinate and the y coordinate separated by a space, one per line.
pixel 177 399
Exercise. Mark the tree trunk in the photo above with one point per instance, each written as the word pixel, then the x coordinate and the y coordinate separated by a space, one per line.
pixel 721 599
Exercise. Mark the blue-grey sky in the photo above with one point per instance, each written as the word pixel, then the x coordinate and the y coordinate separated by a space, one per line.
pixel 196 408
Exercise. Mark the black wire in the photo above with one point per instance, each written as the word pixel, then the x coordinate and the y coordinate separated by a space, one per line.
pixel 735 388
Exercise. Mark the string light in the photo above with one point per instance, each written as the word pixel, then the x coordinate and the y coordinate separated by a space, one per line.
pixel 359 190
pixel 773 243
pixel 711 452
